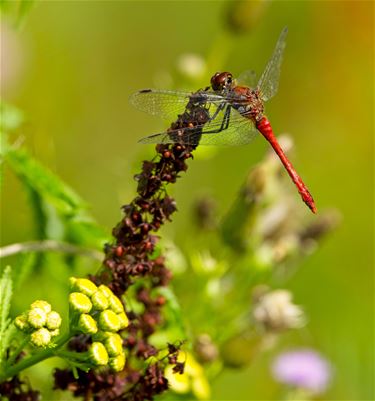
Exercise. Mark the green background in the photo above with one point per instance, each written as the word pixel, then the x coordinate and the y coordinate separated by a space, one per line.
pixel 71 68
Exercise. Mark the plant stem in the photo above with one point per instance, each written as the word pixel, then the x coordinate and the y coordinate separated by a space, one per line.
pixel 71 355
pixel 32 360
pixel 48 245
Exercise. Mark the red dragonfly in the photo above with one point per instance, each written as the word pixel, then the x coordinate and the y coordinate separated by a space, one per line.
pixel 234 109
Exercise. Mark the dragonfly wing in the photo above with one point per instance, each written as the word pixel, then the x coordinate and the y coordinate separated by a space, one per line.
pixel 269 81
pixel 170 104
pixel 163 137
pixel 163 103
pixel 240 131
pixel 247 78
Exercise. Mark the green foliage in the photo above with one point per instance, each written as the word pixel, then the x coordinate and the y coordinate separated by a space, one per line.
pixel 239 220
pixel 6 289
pixel 72 106
pixel 24 269
pixel 44 183
pixel 16 10
pixel 59 212
pixel 10 119
pixel 176 326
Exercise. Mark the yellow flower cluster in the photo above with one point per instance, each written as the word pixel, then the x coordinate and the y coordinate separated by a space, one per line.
pixel 100 313
pixel 40 322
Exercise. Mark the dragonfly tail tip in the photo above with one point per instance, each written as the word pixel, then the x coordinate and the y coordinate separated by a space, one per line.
pixel 312 207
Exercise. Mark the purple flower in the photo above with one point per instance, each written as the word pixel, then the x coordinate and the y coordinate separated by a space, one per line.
pixel 303 368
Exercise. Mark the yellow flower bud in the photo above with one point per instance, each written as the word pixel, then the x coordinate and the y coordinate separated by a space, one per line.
pixel 83 285
pixel 42 305
pixel 113 344
pixel 98 354
pixel 53 320
pixel 117 363
pixel 115 304
pixel 21 322
pixel 106 291
pixel 80 302
pixel 124 321
pixel 99 300
pixel 37 318
pixel 41 337
pixel 87 324
pixel 109 321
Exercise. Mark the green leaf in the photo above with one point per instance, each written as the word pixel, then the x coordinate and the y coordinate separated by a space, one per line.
pixel 10 119
pixel 5 300
pixel 23 272
pixel 239 220
pixel 23 10
pixel 17 10
pixel 173 310
pixel 44 182
pixel 59 212
pixel 83 230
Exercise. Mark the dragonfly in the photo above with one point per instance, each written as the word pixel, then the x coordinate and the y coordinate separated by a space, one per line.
pixel 234 110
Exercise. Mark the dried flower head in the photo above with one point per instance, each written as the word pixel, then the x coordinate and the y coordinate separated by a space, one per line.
pixel 275 311
pixel 205 349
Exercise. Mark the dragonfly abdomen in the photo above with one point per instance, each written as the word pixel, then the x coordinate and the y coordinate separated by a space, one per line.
pixel 264 127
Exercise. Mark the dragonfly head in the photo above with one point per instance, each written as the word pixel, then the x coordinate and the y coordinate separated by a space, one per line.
pixel 222 81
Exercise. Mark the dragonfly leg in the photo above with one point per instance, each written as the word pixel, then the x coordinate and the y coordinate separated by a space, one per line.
pixel 218 110
pixel 224 123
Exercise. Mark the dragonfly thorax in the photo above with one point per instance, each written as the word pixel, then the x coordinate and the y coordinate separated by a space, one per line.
pixel 247 102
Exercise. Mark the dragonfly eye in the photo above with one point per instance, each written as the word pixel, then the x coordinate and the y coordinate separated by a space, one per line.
pixel 220 80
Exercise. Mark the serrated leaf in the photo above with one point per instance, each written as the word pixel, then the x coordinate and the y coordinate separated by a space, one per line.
pixel 5 300
pixel 5 296
pixel 8 335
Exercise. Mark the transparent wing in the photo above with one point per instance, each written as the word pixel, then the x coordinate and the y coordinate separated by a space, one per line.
pixel 269 81
pixel 247 78
pixel 169 104
pixel 239 131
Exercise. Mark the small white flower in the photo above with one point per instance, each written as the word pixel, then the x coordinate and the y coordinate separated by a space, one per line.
pixel 276 311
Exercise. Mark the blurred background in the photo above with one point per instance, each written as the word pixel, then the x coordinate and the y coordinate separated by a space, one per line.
pixel 71 67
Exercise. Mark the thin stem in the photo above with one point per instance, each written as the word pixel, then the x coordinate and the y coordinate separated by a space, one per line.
pixel 34 359
pixel 71 355
pixel 48 245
